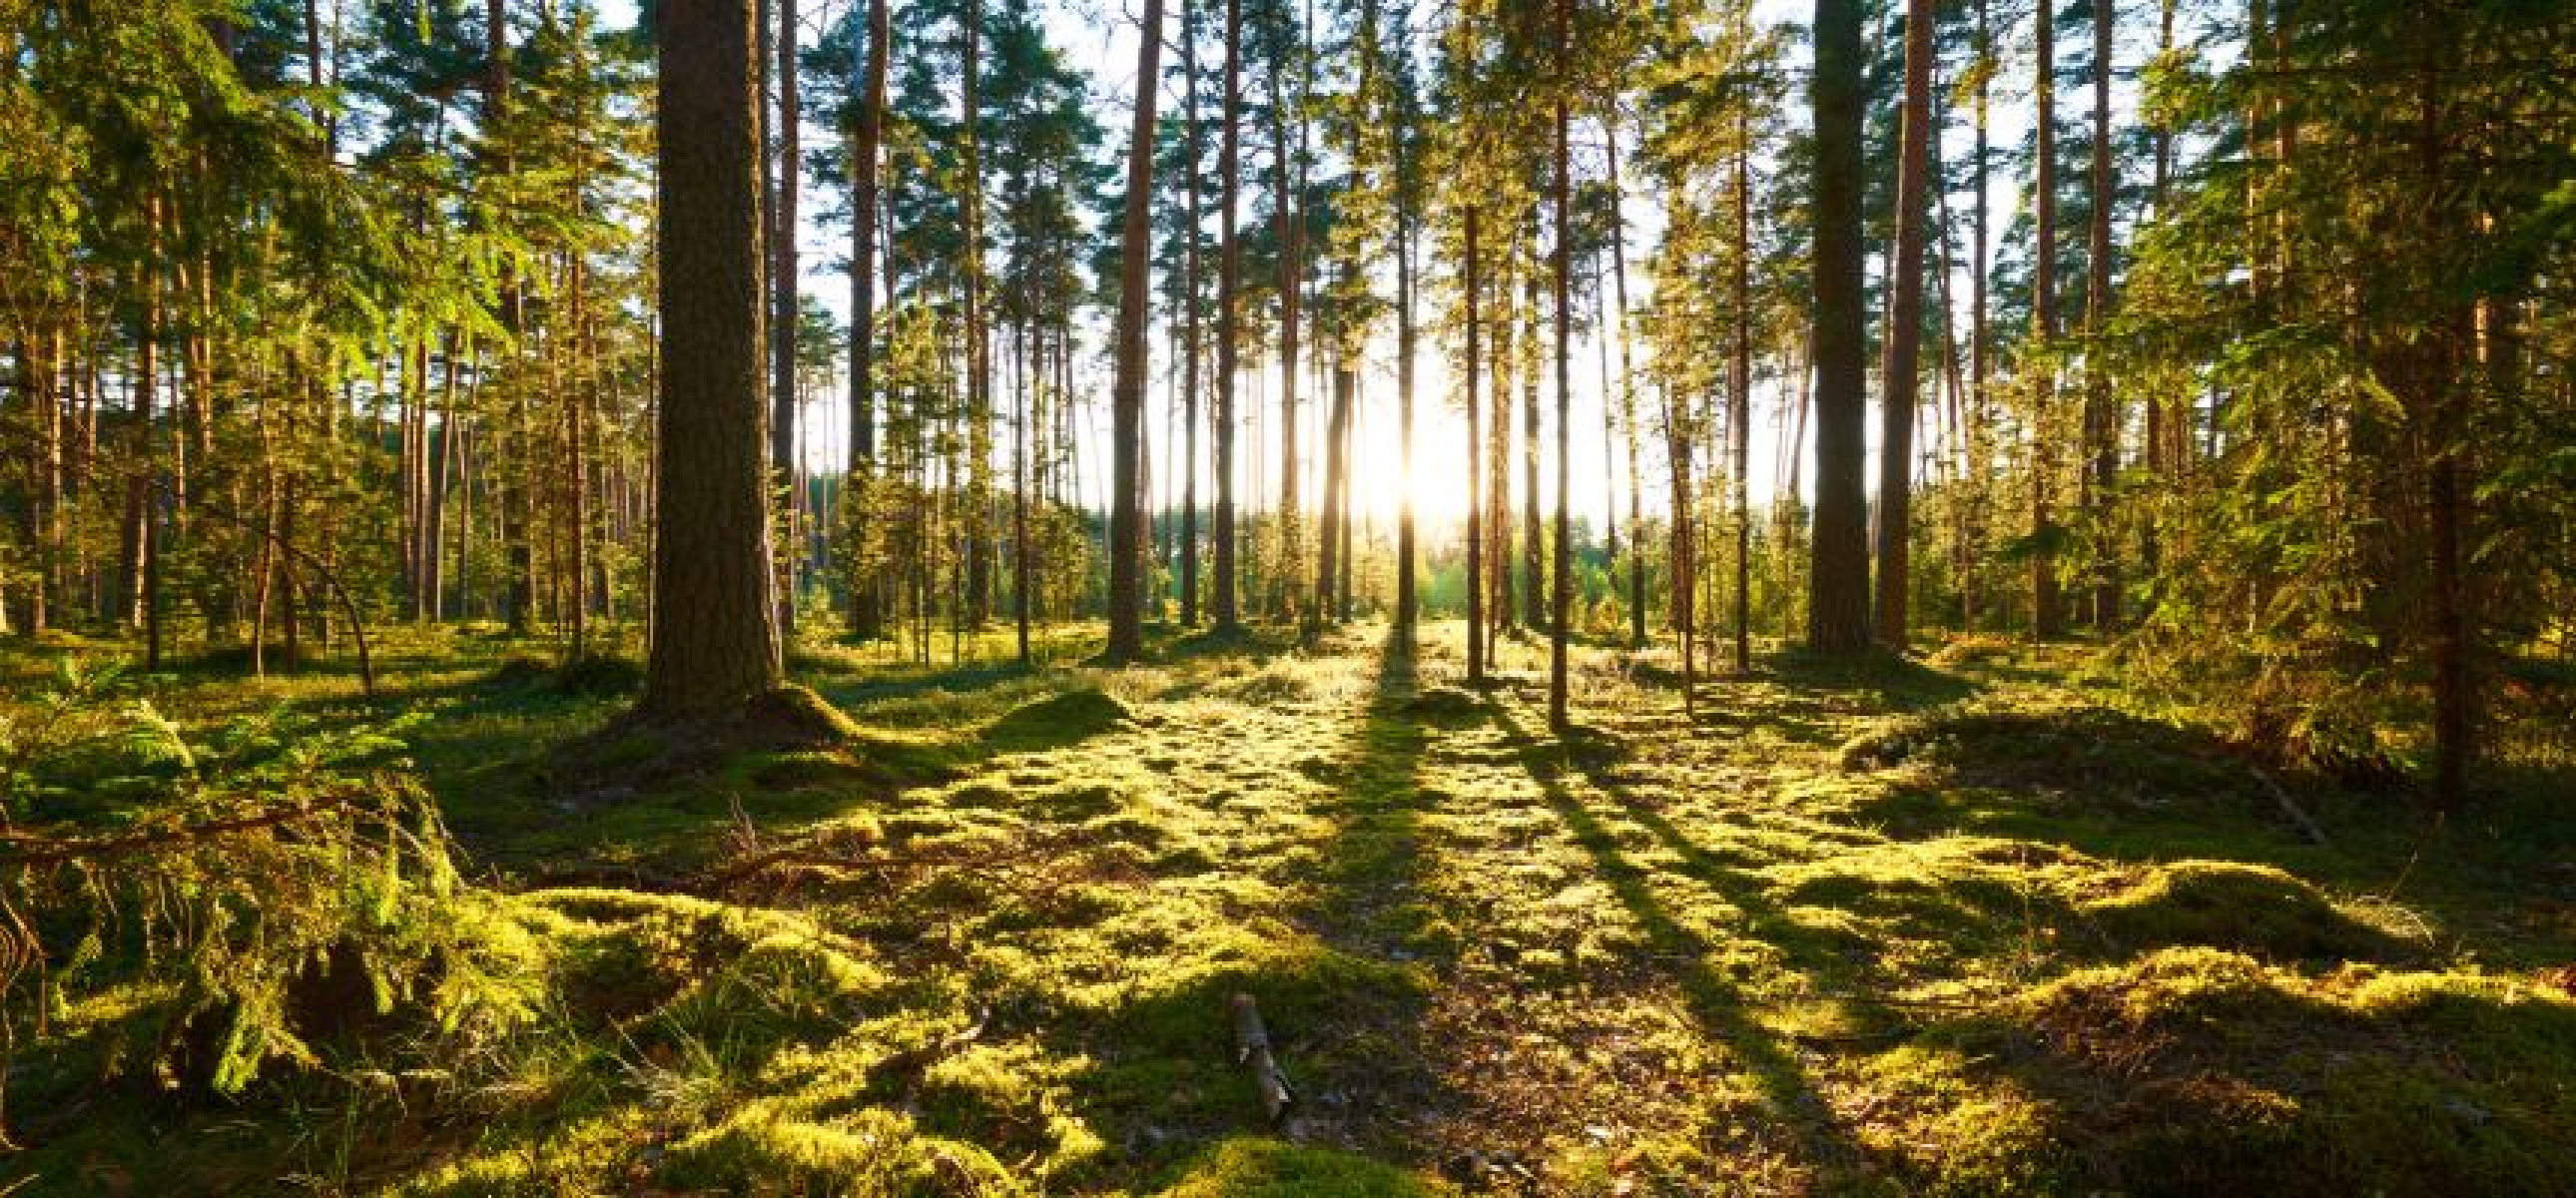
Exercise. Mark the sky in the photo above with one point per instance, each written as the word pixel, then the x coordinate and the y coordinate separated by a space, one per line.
pixel 1099 35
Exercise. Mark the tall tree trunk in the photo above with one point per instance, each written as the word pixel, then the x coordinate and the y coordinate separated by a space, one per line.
pixel 1561 604
pixel 1980 420
pixel 866 605
pixel 1020 568
pixel 782 324
pixel 1189 459
pixel 1127 411
pixel 1229 301
pixel 2046 620
pixel 979 373
pixel 1534 595
pixel 1838 614
pixel 1627 384
pixel 1472 287
pixel 1406 603
pixel 1328 554
pixel 2101 420
pixel 714 642
pixel 1903 338
pixel 1291 281
pixel 1741 419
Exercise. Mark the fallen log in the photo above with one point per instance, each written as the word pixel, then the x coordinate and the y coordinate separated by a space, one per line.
pixel 1252 1048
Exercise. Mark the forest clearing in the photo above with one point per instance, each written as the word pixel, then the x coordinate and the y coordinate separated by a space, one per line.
pixel 1889 928
pixel 1254 598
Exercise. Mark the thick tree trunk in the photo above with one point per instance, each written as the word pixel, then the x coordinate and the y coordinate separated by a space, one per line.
pixel 714 643
pixel 1903 337
pixel 1127 412
pixel 1838 571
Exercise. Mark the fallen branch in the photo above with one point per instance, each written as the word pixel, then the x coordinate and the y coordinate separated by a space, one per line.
pixel 1252 1047
pixel 917 1059
pixel 45 850
pixel 2307 827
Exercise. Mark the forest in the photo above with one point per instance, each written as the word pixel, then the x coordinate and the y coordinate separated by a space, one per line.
pixel 1226 598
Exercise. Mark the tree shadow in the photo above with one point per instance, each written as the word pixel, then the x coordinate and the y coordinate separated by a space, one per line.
pixel 1716 1003
pixel 1371 902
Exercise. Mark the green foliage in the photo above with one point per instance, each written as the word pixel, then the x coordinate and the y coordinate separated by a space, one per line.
pixel 232 895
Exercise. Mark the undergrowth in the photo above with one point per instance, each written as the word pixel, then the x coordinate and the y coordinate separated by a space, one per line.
pixel 1961 928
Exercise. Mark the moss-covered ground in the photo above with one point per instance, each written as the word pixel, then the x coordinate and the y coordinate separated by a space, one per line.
pixel 1882 928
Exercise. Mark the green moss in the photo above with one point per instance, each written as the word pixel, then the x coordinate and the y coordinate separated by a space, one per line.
pixel 1058 720
pixel 1260 1168
pixel 2227 904
pixel 763 1148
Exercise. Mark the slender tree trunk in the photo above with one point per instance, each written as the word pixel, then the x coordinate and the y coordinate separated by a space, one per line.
pixel 1407 604
pixel 1741 420
pixel 2046 618
pixel 1189 460
pixel 1329 554
pixel 1627 385
pixel 782 322
pixel 1534 594
pixel 2101 420
pixel 979 367
pixel 866 605
pixel 1229 301
pixel 1472 287
pixel 1291 281
pixel 715 643
pixel 1127 413
pixel 1838 614
pixel 1561 607
pixel 1898 374
pixel 1980 411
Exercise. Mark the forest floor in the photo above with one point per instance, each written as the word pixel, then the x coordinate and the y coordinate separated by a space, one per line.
pixel 1971 927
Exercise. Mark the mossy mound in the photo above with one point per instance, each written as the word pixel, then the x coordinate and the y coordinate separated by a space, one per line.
pixel 1446 706
pixel 2026 743
pixel 1057 720
pixel 2200 1071
pixel 1264 1168
pixel 600 674
pixel 2226 904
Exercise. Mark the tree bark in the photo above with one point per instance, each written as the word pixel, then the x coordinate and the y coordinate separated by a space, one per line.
pixel 1189 459
pixel 1838 614
pixel 1229 301
pixel 2101 420
pixel 1903 337
pixel 782 320
pixel 1472 287
pixel 1127 410
pixel 1561 596
pixel 714 643
pixel 2046 620
pixel 866 605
